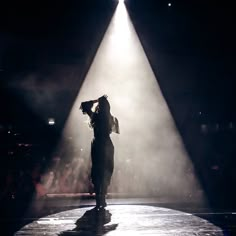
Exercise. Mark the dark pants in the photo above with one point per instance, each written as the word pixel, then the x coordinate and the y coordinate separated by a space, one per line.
pixel 102 152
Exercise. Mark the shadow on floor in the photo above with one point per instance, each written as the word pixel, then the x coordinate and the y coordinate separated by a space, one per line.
pixel 93 223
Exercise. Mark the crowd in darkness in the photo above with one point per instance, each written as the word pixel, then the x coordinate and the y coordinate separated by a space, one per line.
pixel 31 171
pixel 37 181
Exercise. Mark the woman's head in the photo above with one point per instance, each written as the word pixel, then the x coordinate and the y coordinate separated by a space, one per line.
pixel 103 104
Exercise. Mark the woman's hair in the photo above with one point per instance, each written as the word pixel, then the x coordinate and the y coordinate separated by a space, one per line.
pixel 103 117
pixel 103 105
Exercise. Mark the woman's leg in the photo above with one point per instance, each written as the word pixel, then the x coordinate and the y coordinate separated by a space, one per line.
pixel 97 196
pixel 103 195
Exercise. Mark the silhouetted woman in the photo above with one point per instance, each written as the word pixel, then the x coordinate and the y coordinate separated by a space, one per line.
pixel 102 149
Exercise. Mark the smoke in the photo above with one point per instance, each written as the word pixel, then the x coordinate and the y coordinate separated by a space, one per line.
pixel 150 158
pixel 48 92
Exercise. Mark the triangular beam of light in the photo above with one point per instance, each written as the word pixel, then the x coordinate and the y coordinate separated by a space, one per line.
pixel 150 158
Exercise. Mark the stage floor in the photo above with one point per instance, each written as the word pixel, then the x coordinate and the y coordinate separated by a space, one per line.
pixel 122 220
pixel 73 215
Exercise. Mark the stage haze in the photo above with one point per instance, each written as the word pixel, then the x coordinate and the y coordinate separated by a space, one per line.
pixel 150 158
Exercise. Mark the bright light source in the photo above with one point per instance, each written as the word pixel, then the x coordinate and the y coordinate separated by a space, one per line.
pixel 51 121
pixel 169 4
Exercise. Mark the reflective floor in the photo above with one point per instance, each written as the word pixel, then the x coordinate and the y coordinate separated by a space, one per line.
pixel 122 220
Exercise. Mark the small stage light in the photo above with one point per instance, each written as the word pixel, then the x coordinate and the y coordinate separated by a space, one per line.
pixel 51 121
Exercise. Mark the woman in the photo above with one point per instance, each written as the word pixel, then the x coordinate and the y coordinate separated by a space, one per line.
pixel 102 149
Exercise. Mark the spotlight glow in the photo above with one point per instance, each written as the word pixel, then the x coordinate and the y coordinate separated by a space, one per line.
pixel 51 121
pixel 149 151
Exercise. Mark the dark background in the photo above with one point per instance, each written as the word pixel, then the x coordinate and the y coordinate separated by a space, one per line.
pixel 46 48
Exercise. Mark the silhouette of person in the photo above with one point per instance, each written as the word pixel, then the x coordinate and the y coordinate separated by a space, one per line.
pixel 102 149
